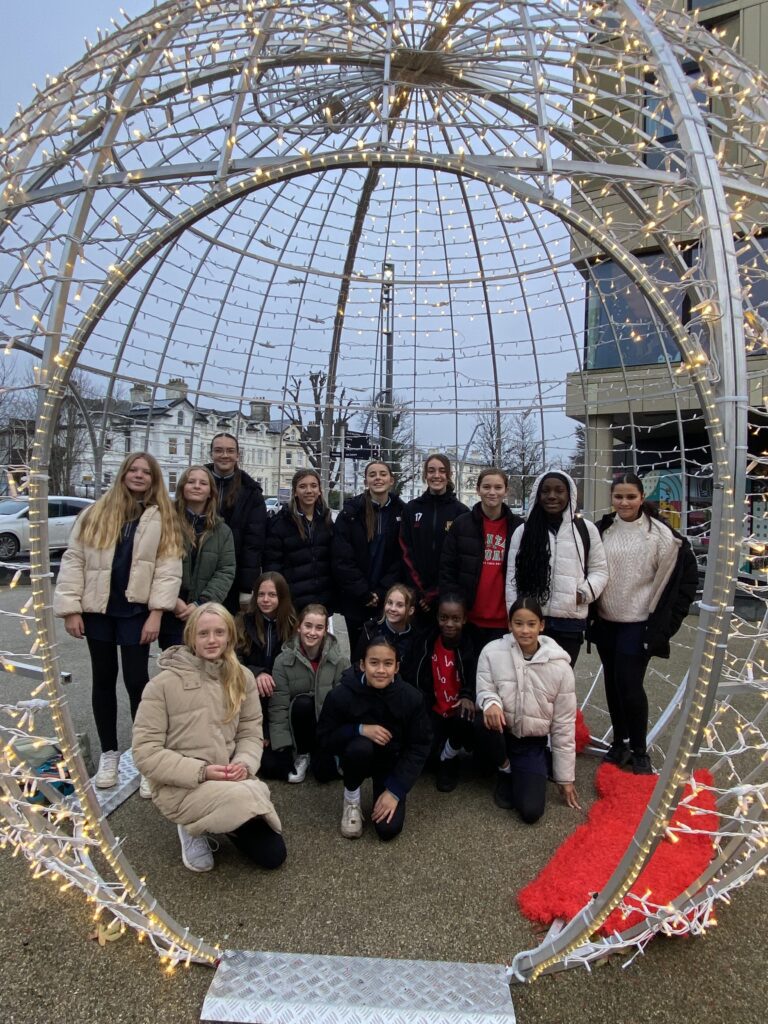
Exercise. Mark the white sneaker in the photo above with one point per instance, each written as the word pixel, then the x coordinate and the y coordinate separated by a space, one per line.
pixel 300 766
pixel 107 775
pixel 195 851
pixel 351 820
pixel 145 790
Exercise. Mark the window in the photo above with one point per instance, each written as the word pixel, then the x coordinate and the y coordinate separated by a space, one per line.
pixel 127 443
pixel 622 330
pixel 188 447
pixel 664 151
pixel 172 477
pixel 173 446
pixel 180 418
pixel 288 458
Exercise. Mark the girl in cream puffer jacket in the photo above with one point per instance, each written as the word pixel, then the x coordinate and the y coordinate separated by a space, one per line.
pixel 526 691
pixel 557 558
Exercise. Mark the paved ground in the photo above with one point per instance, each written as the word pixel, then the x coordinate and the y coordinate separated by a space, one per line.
pixel 444 890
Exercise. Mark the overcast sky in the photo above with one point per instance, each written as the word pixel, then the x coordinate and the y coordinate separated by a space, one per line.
pixel 44 36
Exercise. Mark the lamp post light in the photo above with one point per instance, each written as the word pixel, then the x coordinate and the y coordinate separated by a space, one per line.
pixel 386 414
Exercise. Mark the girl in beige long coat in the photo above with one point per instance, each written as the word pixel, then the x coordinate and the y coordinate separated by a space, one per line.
pixel 121 571
pixel 198 739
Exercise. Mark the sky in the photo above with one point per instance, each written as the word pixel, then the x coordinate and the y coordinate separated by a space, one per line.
pixel 45 36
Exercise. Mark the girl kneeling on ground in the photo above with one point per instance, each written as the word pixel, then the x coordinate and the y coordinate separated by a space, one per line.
pixel 197 738
pixel 526 691
pixel 306 670
pixel 378 727
pixel 445 674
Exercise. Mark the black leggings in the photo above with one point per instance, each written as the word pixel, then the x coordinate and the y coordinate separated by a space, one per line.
pixel 528 777
pixel 570 641
pixel 260 843
pixel 619 645
pixel 276 764
pixel 362 759
pixel 135 659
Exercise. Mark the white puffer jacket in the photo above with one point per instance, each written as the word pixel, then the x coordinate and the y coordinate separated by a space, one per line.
pixel 538 697
pixel 86 572
pixel 566 559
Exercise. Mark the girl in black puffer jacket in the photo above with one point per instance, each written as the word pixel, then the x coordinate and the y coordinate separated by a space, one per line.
pixel 366 549
pixel 299 544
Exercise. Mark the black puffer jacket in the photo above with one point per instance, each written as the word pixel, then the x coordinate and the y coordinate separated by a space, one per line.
pixel 260 657
pixel 466 665
pixel 464 550
pixel 352 555
pixel 399 707
pixel 404 644
pixel 304 561
pixel 674 603
pixel 247 519
pixel 426 522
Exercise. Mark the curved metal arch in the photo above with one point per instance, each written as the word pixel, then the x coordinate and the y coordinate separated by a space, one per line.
pixel 713 624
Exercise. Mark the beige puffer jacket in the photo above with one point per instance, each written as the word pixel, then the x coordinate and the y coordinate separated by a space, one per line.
pixel 180 728
pixel 86 572
pixel 538 697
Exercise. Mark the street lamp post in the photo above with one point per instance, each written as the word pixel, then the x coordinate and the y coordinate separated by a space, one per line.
pixel 386 415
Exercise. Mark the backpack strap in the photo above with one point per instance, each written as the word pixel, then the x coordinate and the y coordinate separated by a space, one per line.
pixel 586 540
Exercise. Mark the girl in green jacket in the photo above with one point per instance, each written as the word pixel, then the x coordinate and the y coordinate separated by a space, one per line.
pixel 208 565
pixel 306 670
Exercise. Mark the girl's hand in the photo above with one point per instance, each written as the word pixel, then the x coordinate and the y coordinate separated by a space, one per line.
pixel 424 604
pixel 151 627
pixel 179 608
pixel 226 772
pixel 569 794
pixel 74 625
pixel 373 600
pixel 188 609
pixel 385 807
pixel 379 735
pixel 237 772
pixel 493 717
pixel 265 684
pixel 465 709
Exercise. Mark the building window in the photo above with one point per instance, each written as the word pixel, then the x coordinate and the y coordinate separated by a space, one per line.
pixel 180 418
pixel 622 330
pixel 288 458
pixel 188 447
pixel 127 443
pixel 173 446
pixel 172 478
pixel 664 150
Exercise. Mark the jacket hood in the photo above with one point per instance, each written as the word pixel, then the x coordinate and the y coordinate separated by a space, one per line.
pixel 181 659
pixel 438 499
pixel 246 480
pixel 548 650
pixel 352 679
pixel 572 490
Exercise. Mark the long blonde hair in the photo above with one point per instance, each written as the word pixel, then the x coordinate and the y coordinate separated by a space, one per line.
pixel 103 522
pixel 231 675
pixel 209 512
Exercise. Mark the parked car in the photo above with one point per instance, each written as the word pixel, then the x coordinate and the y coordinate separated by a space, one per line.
pixel 14 523
pixel 273 506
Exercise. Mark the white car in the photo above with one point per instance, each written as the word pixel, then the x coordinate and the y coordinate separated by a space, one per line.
pixel 14 523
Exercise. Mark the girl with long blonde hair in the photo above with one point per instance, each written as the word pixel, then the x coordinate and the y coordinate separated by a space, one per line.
pixel 198 740
pixel 121 571
pixel 208 564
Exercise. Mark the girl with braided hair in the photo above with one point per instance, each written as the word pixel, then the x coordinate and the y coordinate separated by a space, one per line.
pixel 557 558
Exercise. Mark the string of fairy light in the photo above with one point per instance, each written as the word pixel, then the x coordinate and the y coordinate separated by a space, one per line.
pixel 163 196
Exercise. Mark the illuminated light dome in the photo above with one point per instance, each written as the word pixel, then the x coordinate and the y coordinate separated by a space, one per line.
pixel 210 196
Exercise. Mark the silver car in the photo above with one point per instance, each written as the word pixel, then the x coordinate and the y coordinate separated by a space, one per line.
pixel 14 523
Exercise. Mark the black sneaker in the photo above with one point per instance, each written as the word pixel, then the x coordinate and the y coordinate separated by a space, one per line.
pixel 641 764
pixel 618 754
pixel 447 775
pixel 502 794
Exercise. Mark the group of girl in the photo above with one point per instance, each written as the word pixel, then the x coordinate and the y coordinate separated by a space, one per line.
pixel 464 627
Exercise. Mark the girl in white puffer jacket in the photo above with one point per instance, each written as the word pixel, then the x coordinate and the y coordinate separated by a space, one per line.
pixel 526 692
pixel 557 558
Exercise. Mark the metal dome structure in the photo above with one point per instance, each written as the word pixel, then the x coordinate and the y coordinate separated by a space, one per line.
pixel 223 192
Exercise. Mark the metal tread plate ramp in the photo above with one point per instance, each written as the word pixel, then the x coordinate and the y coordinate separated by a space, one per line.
pixel 297 988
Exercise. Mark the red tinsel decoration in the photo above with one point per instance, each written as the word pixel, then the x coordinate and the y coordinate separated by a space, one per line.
pixel 586 860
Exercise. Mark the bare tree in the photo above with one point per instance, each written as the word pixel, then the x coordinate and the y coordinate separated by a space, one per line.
pixel 516 448
pixel 309 417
